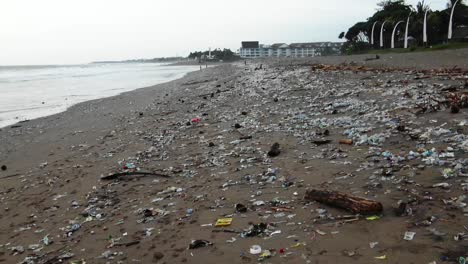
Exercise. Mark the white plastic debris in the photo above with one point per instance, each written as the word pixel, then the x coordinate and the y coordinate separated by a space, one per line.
pixel 409 235
pixel 255 250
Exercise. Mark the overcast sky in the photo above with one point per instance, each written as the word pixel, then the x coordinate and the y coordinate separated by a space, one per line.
pixel 81 31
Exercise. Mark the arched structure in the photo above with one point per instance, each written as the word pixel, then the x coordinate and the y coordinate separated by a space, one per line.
pixel 451 20
pixel 381 34
pixel 406 31
pixel 372 33
pixel 393 33
pixel 425 27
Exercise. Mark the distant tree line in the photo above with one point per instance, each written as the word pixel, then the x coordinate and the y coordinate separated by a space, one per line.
pixel 154 60
pixel 217 54
pixel 166 59
pixel 358 36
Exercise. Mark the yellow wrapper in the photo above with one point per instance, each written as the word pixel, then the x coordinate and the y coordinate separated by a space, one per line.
pixel 223 222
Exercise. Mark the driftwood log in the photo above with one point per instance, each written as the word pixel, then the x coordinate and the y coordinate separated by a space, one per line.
pixel 345 201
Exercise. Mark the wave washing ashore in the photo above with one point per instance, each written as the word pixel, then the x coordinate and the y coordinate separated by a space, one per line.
pixel 35 91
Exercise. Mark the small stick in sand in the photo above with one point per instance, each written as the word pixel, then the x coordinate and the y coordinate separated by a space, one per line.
pixel 120 174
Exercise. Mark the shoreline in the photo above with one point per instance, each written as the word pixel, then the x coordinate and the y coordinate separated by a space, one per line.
pixel 73 114
pixel 210 133
pixel 20 121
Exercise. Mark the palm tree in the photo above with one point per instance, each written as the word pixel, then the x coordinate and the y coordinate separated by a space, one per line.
pixel 450 3
pixel 421 7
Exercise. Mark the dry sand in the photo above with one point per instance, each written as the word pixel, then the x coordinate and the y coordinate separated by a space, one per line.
pixel 413 60
pixel 52 185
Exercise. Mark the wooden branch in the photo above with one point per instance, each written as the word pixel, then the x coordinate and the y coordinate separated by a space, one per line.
pixel 127 244
pixel 134 173
pixel 354 204
pixel 10 176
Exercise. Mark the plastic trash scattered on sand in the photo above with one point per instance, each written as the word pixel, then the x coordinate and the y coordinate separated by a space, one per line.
pixel 448 173
pixel 46 240
pixel 461 260
pixel 189 212
pixel 373 244
pixel 255 250
pixel 204 165
pixel 265 254
pixel 199 243
pixel 298 245
pixel 320 232
pixel 223 222
pixel 255 230
pixel 78 262
pixel 409 235
pixel 129 166
pixel 241 208
pixel 258 203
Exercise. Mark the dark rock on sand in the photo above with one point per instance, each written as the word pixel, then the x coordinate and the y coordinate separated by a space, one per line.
pixel 454 109
pixel 274 150
pixel 157 256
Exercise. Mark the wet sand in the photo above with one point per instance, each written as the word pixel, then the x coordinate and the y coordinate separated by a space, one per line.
pixel 52 187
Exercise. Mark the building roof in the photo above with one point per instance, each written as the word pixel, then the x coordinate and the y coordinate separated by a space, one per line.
pixel 250 44
pixel 308 45
pixel 312 45
pixel 303 45
pixel 279 45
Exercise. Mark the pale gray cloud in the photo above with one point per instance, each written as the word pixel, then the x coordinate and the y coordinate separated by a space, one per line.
pixel 66 31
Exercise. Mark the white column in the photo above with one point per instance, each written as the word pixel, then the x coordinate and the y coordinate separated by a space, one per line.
pixel 425 27
pixel 451 20
pixel 406 32
pixel 372 33
pixel 393 33
pixel 381 34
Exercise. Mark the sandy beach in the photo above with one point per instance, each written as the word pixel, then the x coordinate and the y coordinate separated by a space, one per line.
pixel 205 138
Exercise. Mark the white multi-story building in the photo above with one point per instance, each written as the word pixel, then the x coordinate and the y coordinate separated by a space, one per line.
pixel 252 49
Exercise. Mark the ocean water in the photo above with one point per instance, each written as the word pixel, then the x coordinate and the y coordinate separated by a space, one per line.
pixel 28 92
